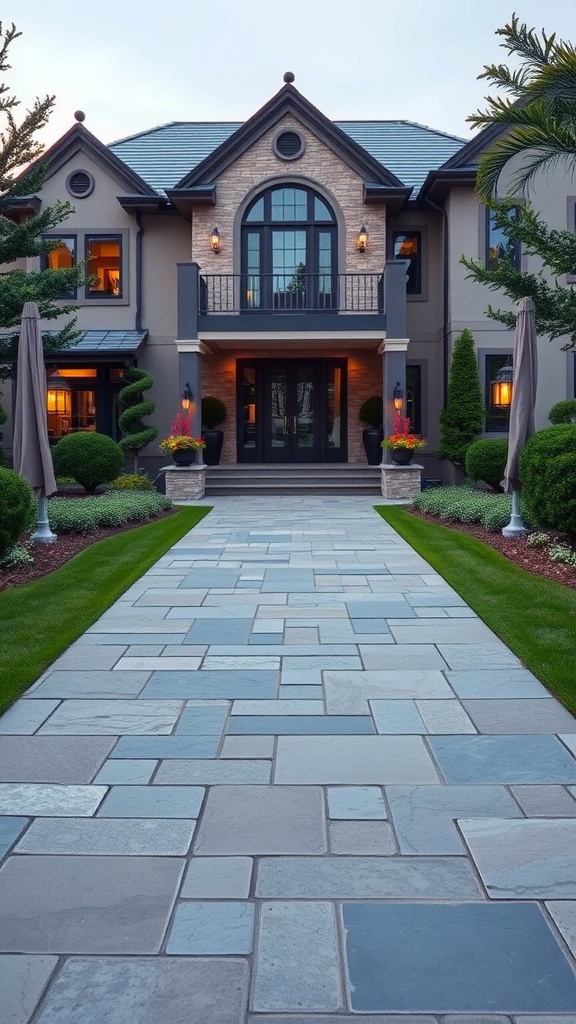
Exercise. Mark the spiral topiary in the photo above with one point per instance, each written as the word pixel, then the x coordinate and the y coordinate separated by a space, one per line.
pixel 16 509
pixel 88 457
pixel 136 433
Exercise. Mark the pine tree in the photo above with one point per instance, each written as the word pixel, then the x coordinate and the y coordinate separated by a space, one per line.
pixel 464 414
pixel 23 238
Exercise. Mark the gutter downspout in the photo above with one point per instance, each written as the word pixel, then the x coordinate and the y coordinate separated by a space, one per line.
pixel 445 296
pixel 139 233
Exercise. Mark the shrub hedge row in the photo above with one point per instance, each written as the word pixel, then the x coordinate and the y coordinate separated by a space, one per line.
pixel 464 505
pixel 112 509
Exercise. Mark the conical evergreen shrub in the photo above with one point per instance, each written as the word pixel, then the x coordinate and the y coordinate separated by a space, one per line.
pixel 464 414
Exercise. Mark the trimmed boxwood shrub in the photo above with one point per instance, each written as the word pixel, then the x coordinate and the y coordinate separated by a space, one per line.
pixel 132 482
pixel 548 477
pixel 115 508
pixel 372 412
pixel 17 509
pixel 89 458
pixel 213 412
pixel 486 460
pixel 465 505
pixel 563 412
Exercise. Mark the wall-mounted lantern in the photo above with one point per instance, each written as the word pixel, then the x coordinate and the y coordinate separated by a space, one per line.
pixel 502 386
pixel 59 395
pixel 362 239
pixel 398 396
pixel 187 398
pixel 215 240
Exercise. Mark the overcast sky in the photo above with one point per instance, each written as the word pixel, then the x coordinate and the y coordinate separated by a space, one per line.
pixel 134 64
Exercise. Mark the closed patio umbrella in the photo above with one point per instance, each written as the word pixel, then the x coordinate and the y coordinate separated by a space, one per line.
pixel 32 457
pixel 525 364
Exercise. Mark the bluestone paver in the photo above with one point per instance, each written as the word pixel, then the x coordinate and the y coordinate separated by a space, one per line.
pixel 288 778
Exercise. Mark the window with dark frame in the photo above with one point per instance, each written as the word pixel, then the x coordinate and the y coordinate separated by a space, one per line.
pixel 104 266
pixel 62 257
pixel 497 418
pixel 498 245
pixel 407 245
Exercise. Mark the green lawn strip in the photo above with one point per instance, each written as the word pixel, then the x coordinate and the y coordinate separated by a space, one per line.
pixel 534 616
pixel 41 619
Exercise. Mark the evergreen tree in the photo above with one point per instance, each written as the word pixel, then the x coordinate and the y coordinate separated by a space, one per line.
pixel 3 418
pixel 464 414
pixel 23 238
pixel 538 117
pixel 136 433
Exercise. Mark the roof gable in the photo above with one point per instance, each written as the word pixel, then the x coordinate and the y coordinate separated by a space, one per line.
pixel 289 101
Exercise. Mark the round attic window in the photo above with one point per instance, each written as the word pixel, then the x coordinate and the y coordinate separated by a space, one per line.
pixel 289 145
pixel 80 184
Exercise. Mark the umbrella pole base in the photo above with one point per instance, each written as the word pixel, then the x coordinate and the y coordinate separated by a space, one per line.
pixel 43 534
pixel 515 528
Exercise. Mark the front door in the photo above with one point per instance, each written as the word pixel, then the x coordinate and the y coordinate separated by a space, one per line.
pixel 292 410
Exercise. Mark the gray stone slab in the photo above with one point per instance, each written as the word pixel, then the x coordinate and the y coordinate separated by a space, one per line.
pixel 152 802
pixel 158 838
pixel 262 819
pixel 447 634
pixel 215 927
pixel 91 684
pixel 397 716
pixel 313 1018
pixel 250 747
pixel 495 954
pixel 357 803
pixel 307 725
pixel 403 657
pixel 570 742
pixel 24 717
pixel 217 878
pixel 372 878
pixel 307 693
pixel 86 657
pixel 443 598
pixel 545 801
pixel 321 662
pixel 63 759
pixel 86 904
pixel 202 721
pixel 522 859
pixel 505 759
pixel 207 579
pixel 113 718
pixel 364 626
pixel 214 773
pixel 22 982
pixel 165 747
pixel 215 684
pixel 148 991
pixel 487 655
pixel 520 716
pixel 496 684
pixel 563 913
pixel 353 760
pixel 348 693
pixel 219 631
pixel 379 609
pixel 297 962
pixel 130 639
pixel 424 816
pixel 278 707
pixel 10 829
pixel 444 717
pixel 47 799
pixel 361 837
pixel 128 772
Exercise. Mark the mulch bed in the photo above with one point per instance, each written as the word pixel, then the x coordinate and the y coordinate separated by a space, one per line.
pixel 534 560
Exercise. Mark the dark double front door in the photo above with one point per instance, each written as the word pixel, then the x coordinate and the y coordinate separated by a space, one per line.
pixel 292 410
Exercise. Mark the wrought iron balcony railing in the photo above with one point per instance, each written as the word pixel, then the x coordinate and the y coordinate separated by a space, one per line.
pixel 291 293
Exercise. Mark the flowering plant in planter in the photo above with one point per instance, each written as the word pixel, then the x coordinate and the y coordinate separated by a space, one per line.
pixel 402 437
pixel 180 439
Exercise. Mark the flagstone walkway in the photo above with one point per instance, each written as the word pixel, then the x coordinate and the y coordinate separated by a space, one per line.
pixel 289 778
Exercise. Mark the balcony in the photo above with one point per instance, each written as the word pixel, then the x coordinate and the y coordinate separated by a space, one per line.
pixel 287 302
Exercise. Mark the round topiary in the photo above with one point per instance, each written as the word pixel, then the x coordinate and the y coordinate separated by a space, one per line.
pixel 486 460
pixel 16 509
pixel 548 477
pixel 372 412
pixel 89 458
pixel 563 412
pixel 213 412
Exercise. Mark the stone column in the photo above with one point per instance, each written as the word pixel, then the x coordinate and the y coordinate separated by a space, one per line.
pixel 393 348
pixel 190 348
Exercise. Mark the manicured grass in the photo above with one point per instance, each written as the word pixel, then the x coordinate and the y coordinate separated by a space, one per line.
pixel 41 619
pixel 535 617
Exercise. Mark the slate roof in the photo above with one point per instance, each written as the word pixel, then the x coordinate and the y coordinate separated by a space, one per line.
pixel 163 156
pixel 100 342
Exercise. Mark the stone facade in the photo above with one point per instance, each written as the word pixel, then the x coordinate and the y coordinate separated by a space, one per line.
pixel 185 483
pixel 401 483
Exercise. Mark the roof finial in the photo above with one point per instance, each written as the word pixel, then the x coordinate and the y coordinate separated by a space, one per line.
pixel 288 77
pixel 79 115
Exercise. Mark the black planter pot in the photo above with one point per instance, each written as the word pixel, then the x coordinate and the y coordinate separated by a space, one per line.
pixel 402 456
pixel 184 457
pixel 372 439
pixel 213 450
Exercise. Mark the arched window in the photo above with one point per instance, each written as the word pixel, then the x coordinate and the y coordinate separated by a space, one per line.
pixel 289 251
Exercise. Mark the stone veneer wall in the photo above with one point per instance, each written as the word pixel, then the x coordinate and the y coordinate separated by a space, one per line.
pixel 364 379
pixel 256 167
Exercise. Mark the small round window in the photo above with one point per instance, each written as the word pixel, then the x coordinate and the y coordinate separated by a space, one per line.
pixel 288 145
pixel 80 184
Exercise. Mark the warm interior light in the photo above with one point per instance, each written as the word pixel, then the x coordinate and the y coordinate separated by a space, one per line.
pixel 398 395
pixel 215 240
pixel 251 411
pixel 187 398
pixel 362 239
pixel 59 395
pixel 502 386
pixel 78 373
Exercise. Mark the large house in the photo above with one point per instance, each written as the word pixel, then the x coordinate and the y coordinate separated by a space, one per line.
pixel 290 266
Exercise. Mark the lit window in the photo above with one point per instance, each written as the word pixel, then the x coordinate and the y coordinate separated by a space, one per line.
pixel 408 246
pixel 62 257
pixel 498 245
pixel 104 266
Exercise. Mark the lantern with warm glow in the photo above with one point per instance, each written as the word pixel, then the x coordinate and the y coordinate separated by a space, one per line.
pixel 59 395
pixel 215 240
pixel 362 239
pixel 187 398
pixel 398 396
pixel 502 386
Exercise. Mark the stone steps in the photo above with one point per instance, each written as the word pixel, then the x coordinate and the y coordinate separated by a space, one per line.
pixel 315 478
